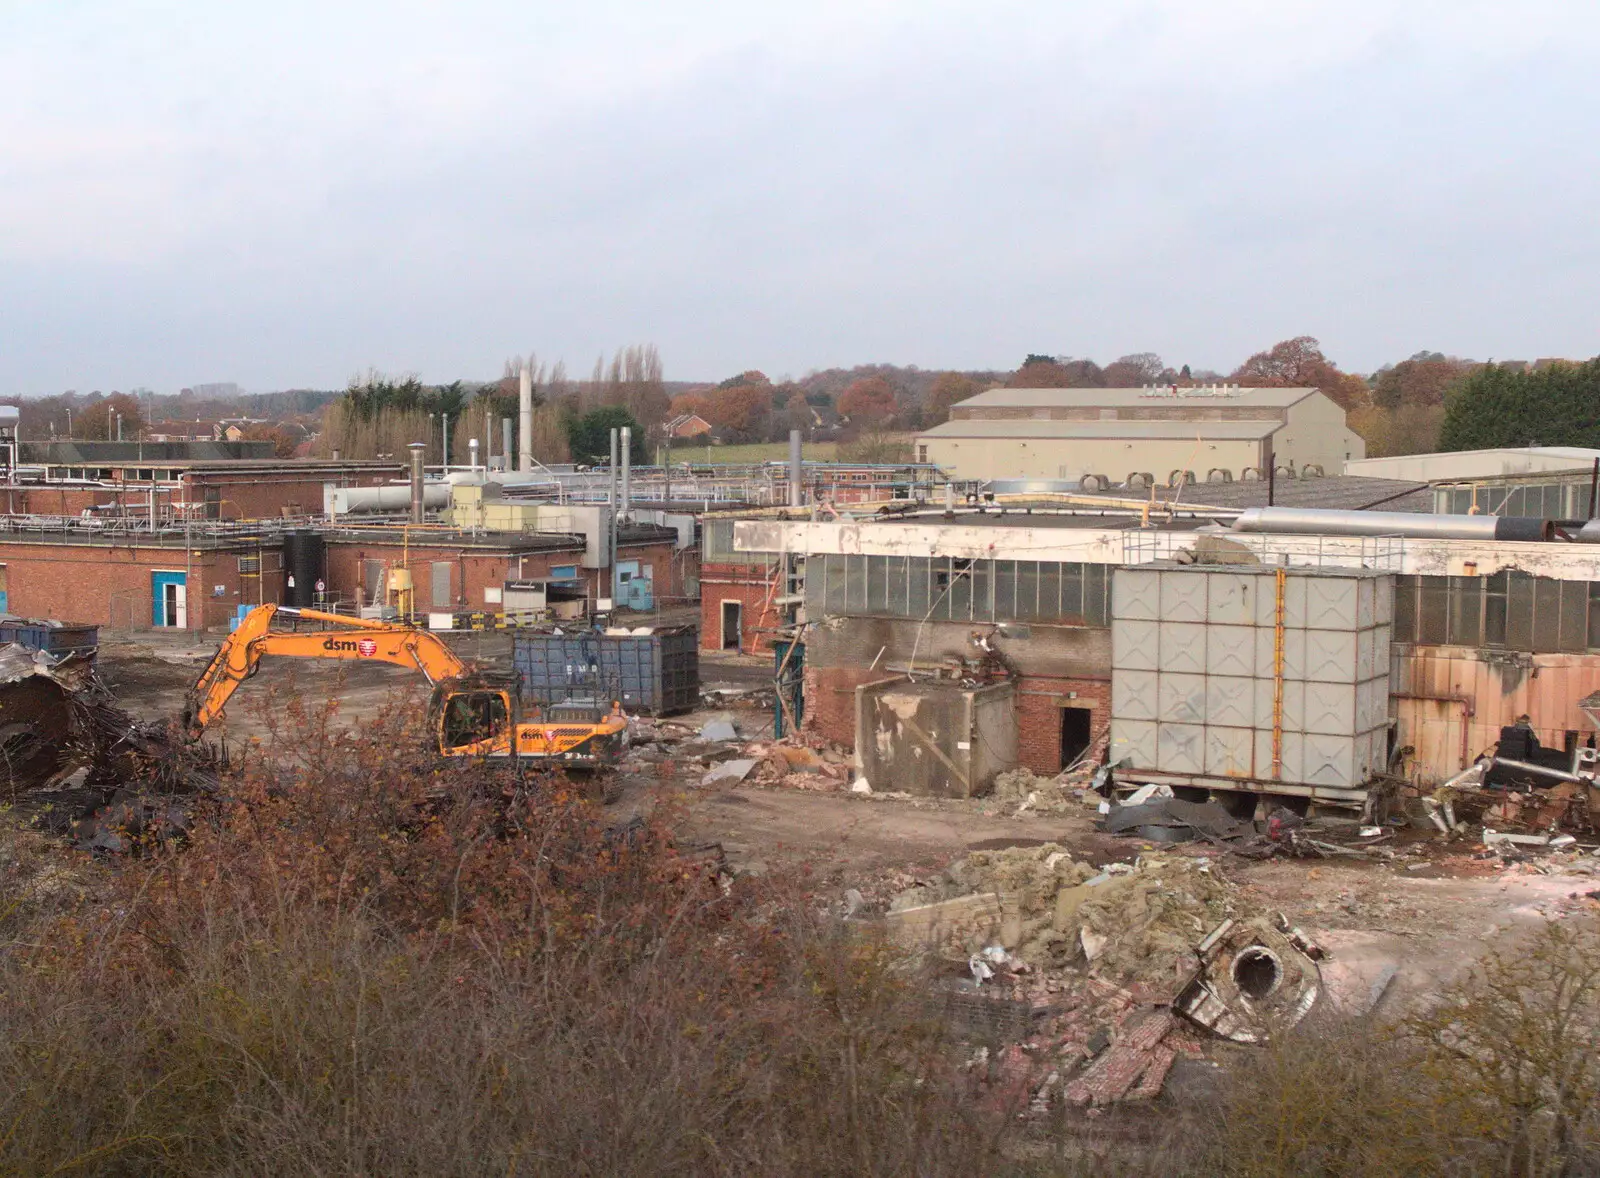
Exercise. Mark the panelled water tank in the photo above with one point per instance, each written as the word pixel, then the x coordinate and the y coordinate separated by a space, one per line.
pixel 1235 673
pixel 657 673
pixel 304 554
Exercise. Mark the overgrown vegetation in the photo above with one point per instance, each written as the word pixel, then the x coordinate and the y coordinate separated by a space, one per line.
pixel 366 962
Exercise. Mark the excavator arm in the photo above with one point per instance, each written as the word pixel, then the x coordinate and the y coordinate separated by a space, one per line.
pixel 356 639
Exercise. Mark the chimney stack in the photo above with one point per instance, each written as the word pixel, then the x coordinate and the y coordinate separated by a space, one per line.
pixel 505 443
pixel 626 446
pixel 417 451
pixel 797 494
pixel 525 417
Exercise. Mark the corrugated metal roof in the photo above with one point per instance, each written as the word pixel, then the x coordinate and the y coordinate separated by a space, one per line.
pixel 1130 398
pixel 1029 430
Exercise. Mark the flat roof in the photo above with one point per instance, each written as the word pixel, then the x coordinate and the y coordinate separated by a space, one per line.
pixel 1342 492
pixel 1026 428
pixel 1274 398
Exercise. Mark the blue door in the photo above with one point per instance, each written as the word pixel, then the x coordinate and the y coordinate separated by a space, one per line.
pixel 169 606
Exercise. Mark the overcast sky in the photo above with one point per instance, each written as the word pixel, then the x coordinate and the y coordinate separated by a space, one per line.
pixel 285 194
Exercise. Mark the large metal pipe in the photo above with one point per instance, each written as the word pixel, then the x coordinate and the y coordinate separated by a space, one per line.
pixel 1322 521
pixel 797 491
pixel 418 449
pixel 627 467
pixel 611 546
pixel 472 451
pixel 505 443
pixel 525 420
pixel 341 500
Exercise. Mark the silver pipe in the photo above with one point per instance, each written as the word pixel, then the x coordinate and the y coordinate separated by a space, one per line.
pixel 1321 521
pixel 1558 774
pixel 525 419
pixel 418 449
pixel 797 494
pixel 472 452
pixel 627 469
pixel 505 442
pixel 611 487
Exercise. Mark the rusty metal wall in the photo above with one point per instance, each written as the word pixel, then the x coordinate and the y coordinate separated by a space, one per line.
pixel 1487 689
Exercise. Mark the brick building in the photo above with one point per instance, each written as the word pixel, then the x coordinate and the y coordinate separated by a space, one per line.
pixel 454 570
pixel 127 580
pixel 196 480
pixel 738 591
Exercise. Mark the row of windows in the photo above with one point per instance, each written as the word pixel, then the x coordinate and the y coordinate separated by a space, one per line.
pixel 1509 611
pixel 109 474
pixel 944 588
pixel 1536 500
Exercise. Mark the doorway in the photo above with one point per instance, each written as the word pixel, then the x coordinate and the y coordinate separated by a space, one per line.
pixel 732 625
pixel 1074 734
pixel 169 599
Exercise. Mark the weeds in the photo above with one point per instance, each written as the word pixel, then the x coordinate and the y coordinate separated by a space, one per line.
pixel 366 961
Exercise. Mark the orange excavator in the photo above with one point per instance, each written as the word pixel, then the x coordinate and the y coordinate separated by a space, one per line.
pixel 471 713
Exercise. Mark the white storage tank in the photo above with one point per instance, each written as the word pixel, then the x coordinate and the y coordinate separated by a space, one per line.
pixel 1274 676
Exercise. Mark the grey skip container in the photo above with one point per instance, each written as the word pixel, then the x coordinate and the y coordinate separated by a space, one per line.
pixel 654 674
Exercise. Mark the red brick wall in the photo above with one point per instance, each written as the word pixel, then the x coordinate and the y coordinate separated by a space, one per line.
pixel 473 571
pixel 746 584
pixel 105 586
pixel 831 701
pixel 266 494
pixel 1039 703
pixel 831 710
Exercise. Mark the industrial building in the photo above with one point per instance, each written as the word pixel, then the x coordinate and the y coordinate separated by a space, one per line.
pixel 1468 623
pixel 1160 434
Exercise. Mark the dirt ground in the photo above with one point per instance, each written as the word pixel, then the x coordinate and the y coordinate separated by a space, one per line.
pixel 1429 916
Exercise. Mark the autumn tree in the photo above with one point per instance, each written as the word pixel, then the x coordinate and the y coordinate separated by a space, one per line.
pixel 96 421
pixel 1048 372
pixel 797 411
pixel 1136 370
pixel 948 389
pixel 1299 363
pixel 743 411
pixel 698 403
pixel 870 401
pixel 1423 379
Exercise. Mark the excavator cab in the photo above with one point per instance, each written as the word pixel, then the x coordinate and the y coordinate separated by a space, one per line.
pixel 475 716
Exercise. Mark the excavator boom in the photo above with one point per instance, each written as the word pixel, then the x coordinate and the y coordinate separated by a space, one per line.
pixel 475 718
pixel 358 639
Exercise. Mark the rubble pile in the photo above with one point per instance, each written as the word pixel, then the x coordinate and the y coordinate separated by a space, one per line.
pixel 77 765
pixel 1124 967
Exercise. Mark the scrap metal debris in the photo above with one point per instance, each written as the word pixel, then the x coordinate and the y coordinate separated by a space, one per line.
pixel 1107 958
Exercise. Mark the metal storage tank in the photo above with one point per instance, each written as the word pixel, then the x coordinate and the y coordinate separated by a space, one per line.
pixel 303 565
pixel 1251 677
pixel 652 674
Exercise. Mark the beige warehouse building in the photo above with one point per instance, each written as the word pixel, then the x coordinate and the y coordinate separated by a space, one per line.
pixel 1160 431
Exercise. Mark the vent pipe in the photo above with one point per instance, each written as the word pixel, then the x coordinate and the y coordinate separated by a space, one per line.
pixel 797 491
pixel 525 420
pixel 472 454
pixel 418 449
pixel 627 469
pixel 1318 521
pixel 505 442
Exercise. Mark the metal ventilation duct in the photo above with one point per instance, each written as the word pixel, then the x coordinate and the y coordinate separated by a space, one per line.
pixel 1315 521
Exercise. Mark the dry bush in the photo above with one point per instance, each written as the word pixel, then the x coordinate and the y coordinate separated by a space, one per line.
pixel 1499 1076
pixel 365 961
